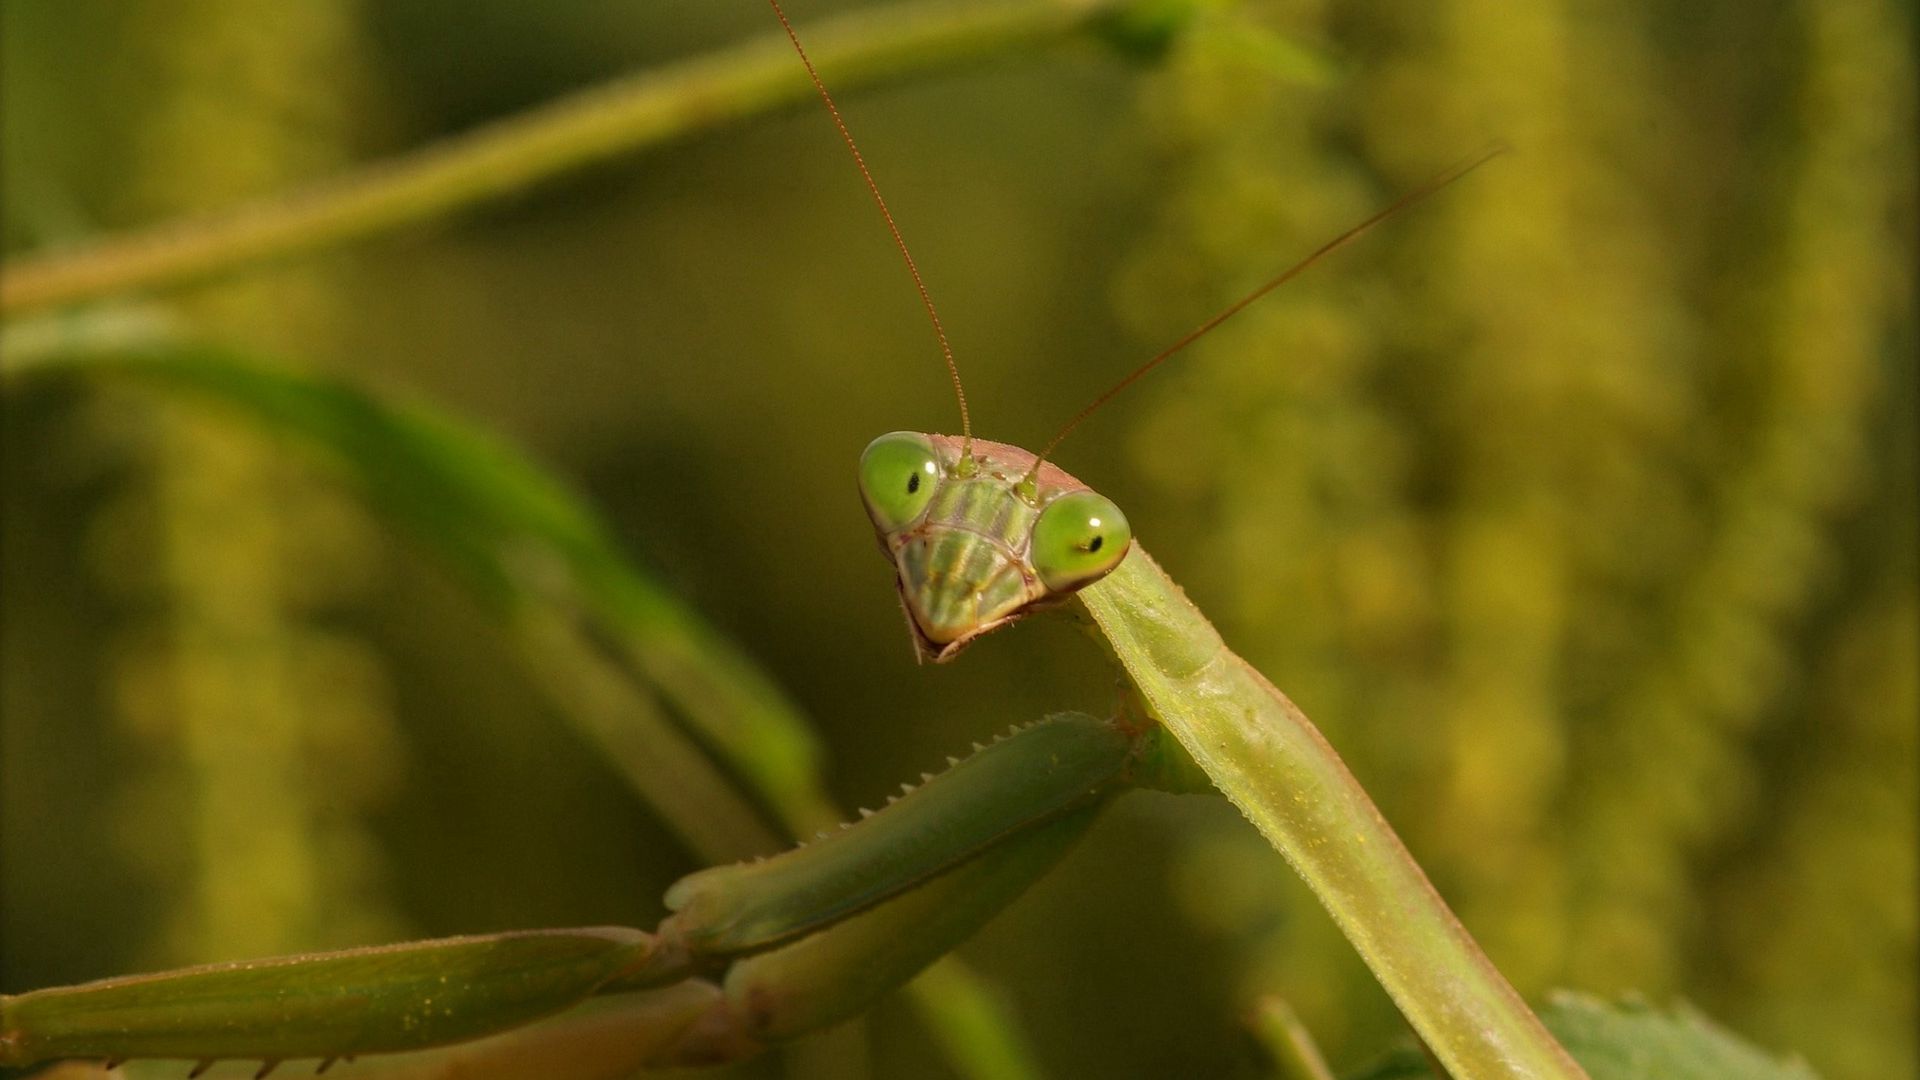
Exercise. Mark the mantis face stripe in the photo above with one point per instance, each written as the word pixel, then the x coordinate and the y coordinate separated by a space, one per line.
pixel 979 537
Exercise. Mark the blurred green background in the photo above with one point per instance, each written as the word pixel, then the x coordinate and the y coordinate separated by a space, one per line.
pixel 1576 506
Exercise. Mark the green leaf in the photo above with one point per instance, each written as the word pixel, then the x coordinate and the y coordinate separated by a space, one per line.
pixel 600 635
pixel 1630 1040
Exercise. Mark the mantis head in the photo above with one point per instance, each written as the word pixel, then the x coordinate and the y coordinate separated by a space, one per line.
pixel 979 536
pixel 980 533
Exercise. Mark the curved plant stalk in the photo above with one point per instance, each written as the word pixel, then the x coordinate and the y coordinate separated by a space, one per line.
pixel 1268 758
pixel 602 638
pixel 536 555
pixel 510 155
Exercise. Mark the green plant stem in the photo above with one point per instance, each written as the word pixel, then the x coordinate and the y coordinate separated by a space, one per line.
pixel 468 499
pixel 627 114
pixel 1287 1041
pixel 973 1022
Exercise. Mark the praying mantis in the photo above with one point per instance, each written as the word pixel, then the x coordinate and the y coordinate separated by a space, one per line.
pixel 980 535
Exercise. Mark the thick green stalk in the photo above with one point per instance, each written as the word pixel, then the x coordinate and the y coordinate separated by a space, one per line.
pixel 1266 756
pixel 510 155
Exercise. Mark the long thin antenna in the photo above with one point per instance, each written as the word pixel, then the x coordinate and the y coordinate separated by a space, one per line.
pixel 946 350
pixel 1328 248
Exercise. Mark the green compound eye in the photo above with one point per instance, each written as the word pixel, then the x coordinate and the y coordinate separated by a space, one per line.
pixel 1077 539
pixel 898 473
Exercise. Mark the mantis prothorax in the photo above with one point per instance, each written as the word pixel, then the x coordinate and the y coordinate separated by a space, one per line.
pixel 980 534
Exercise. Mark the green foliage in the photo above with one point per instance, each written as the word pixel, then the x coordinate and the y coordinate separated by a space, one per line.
pixel 1577 508
pixel 529 549
pixel 804 940
pixel 1631 1042
pixel 1147 30
pixel 1554 503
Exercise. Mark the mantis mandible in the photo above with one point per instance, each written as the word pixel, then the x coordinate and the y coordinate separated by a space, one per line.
pixel 980 534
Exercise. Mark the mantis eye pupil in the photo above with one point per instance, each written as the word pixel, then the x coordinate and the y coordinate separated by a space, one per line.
pixel 913 483
pixel 1094 544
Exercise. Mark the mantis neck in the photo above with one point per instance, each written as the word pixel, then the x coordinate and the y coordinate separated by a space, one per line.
pixel 1265 755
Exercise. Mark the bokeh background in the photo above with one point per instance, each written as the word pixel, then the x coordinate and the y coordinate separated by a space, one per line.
pixel 1577 506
